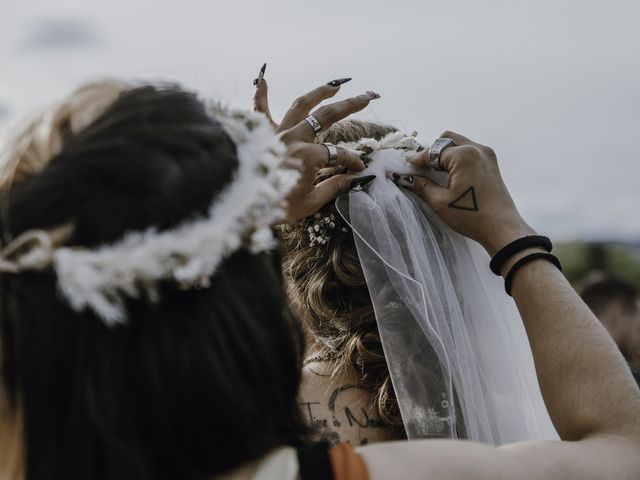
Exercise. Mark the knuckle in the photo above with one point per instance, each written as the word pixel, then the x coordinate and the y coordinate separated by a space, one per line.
pixel 286 138
pixel 289 137
pixel 299 103
pixel 470 150
pixel 420 189
pixel 296 150
pixel 447 133
pixel 465 153
pixel 488 152
pixel 329 112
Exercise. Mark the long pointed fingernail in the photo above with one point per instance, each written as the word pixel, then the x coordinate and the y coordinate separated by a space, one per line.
pixel 339 81
pixel 406 181
pixel 369 95
pixel 360 182
pixel 256 82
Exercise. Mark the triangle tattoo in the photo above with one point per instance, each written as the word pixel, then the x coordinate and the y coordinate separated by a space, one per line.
pixel 466 201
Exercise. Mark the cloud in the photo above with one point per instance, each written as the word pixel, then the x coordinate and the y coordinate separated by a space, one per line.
pixel 60 33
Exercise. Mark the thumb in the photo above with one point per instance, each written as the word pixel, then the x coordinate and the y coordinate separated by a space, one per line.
pixel 433 194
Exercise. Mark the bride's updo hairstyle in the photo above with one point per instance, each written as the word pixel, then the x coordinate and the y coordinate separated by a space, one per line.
pixel 194 384
pixel 328 291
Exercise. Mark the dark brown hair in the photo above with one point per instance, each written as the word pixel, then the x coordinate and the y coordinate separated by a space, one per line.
pixel 194 385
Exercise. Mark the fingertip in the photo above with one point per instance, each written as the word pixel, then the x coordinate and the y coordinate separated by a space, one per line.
pixel 406 181
pixel 359 166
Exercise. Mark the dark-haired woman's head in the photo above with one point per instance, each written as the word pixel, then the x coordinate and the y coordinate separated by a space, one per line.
pixel 195 383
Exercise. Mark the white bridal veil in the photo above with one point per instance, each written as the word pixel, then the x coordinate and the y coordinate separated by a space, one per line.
pixel 457 351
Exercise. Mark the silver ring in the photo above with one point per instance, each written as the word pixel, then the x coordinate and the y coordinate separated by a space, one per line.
pixel 436 148
pixel 313 123
pixel 333 154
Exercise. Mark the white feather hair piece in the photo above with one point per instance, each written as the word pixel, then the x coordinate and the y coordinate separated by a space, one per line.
pixel 241 216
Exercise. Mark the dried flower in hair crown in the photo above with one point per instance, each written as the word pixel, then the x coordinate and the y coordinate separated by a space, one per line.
pixel 239 217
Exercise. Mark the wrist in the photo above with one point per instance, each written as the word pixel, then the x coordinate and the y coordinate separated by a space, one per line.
pixel 502 237
pixel 506 267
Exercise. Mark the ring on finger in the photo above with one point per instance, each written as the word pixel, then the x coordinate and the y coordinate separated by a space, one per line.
pixel 313 123
pixel 436 148
pixel 333 154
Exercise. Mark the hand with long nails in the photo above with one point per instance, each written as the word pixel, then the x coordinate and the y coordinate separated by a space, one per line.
pixel 308 197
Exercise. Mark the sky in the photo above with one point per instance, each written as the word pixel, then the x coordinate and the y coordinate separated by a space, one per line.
pixel 553 87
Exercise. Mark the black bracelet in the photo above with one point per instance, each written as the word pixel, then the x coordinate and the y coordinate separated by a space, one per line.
pixel 516 247
pixel 508 280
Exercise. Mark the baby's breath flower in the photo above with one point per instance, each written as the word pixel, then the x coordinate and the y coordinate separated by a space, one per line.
pixel 320 230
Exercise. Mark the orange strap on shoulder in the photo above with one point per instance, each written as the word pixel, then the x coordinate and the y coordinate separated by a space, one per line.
pixel 347 464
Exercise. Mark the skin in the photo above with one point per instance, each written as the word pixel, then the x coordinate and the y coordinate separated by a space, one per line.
pixel 339 409
pixel 587 387
pixel 586 384
pixel 307 156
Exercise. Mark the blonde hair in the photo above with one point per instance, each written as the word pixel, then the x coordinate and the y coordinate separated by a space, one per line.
pixel 328 292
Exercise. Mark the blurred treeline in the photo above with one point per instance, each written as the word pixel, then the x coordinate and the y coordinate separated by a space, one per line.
pixel 579 260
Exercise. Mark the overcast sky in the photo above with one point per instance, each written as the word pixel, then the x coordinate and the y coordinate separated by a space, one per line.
pixel 553 86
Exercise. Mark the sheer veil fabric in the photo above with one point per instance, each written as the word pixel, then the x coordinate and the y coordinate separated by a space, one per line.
pixel 454 342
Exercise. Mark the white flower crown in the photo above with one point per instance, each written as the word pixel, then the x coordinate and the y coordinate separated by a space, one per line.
pixel 240 216
pixel 321 228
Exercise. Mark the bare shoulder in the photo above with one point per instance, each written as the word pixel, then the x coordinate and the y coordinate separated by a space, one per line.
pixel 339 409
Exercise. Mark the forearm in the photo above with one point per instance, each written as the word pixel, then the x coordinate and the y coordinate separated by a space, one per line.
pixel 586 384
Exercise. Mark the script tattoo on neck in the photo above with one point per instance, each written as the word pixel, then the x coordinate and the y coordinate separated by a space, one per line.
pixel 321 424
pixel 344 417
pixel 467 201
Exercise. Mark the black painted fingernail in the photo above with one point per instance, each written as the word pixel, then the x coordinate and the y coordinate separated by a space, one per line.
pixel 406 181
pixel 260 75
pixel 338 82
pixel 360 182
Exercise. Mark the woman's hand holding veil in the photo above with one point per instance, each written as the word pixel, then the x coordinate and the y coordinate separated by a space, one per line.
pixel 299 136
pixel 476 202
